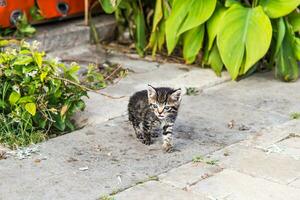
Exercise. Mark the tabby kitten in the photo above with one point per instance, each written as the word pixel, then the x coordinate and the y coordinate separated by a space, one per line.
pixel 148 108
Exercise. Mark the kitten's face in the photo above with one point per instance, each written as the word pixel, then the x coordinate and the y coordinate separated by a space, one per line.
pixel 164 101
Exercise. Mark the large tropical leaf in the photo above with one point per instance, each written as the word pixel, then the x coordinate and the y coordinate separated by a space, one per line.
pixel 286 67
pixel 294 19
pixel 109 6
pixel 279 8
pixel 184 16
pixel 157 37
pixel 214 60
pixel 214 23
pixel 179 11
pixel 244 38
pixel 192 43
pixel 199 12
pixel 158 14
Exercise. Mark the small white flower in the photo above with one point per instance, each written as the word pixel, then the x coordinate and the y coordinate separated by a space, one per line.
pixel 16 88
pixel 73 64
pixel 11 51
pixel 32 73
pixel 35 44
pixel 26 44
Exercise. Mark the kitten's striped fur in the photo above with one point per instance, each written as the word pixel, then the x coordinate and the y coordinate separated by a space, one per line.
pixel 153 106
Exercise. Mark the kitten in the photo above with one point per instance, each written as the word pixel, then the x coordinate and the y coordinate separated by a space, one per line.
pixel 153 106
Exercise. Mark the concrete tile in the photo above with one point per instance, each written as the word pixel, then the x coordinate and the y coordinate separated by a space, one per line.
pixel 233 185
pixel 188 174
pixel 154 190
pixel 271 166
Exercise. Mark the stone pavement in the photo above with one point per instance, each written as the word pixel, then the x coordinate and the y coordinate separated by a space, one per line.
pixel 239 134
pixel 264 166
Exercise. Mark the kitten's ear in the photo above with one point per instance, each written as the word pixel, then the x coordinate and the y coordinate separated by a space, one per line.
pixel 151 92
pixel 176 95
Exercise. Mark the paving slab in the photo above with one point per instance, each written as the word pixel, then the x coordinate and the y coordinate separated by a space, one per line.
pixel 233 185
pixel 255 162
pixel 295 183
pixel 269 136
pixel 189 174
pixel 263 92
pixel 154 190
pixel 290 147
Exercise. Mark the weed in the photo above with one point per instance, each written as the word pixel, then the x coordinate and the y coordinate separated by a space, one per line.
pixel 295 115
pixel 198 159
pixel 191 91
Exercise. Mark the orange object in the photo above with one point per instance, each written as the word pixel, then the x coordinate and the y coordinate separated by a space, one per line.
pixel 60 8
pixel 10 10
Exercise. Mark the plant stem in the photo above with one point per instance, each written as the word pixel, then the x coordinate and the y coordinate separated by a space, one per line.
pixel 86 88
pixel 254 3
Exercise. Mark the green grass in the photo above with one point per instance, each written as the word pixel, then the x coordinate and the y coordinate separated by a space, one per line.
pixel 295 115
pixel 197 159
pixel 192 91
pixel 14 134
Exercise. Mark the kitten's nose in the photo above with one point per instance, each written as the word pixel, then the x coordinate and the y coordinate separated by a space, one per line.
pixel 160 110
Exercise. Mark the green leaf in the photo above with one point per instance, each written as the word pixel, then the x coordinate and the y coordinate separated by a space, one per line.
pixel 158 15
pixel 38 59
pixel 60 123
pixel 297 48
pixel 43 76
pixel 109 6
pixel 229 3
pixel 178 13
pixel 192 43
pixel 31 108
pixel 215 61
pixel 278 8
pixel 70 125
pixel 280 34
pixel 286 67
pixel 294 19
pixel 23 60
pixel 26 99
pixel 184 16
pixel 14 97
pixel 157 37
pixel 3 43
pixel 2 104
pixel 199 12
pixel 214 23
pixel 243 44
pixel 140 32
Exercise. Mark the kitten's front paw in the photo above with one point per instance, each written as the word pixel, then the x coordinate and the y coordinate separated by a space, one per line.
pixel 167 147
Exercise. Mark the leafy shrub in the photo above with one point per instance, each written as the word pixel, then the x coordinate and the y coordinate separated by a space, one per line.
pixel 38 96
pixel 237 34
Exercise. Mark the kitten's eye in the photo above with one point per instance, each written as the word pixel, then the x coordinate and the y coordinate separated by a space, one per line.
pixel 167 108
pixel 154 105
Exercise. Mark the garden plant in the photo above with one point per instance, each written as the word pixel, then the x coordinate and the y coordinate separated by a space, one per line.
pixel 38 96
pixel 241 35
